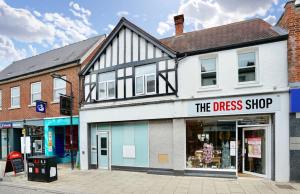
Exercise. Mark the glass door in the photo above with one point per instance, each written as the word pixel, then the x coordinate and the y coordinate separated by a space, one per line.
pixel 254 151
pixel 103 150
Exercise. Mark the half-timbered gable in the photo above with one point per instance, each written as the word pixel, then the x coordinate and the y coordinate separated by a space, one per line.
pixel 130 64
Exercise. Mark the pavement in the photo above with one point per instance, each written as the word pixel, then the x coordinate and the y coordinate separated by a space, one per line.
pixel 109 182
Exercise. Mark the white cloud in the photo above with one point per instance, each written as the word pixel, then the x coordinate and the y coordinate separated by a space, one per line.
pixel 8 51
pixel 109 27
pixel 32 50
pixel 50 30
pixel 271 19
pixel 122 13
pixel 208 13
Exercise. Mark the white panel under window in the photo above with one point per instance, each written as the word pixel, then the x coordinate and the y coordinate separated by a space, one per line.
pixel 135 47
pixel 128 45
pixel 171 64
pixel 142 49
pixel 120 88
pixel 93 95
pixel 129 87
pixel 114 51
pixel 108 56
pixel 162 65
pixel 121 47
pixel 171 78
pixel 86 91
pixel 96 65
pixel 102 61
pixel 128 71
pixel 120 72
pixel 162 84
pixel 150 51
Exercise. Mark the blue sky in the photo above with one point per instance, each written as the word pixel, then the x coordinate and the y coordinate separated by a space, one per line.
pixel 31 27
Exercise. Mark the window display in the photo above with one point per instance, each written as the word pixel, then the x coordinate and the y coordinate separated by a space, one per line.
pixel 210 144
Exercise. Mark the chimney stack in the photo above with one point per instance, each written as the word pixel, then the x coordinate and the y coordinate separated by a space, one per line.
pixel 179 24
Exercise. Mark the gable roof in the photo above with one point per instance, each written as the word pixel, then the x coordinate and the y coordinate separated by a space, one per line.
pixel 243 33
pixel 50 59
pixel 125 23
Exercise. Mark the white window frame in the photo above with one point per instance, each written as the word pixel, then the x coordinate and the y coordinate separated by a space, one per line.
pixel 145 88
pixel 106 89
pixel 32 93
pixel 217 74
pixel 0 99
pixel 12 97
pixel 256 66
pixel 59 88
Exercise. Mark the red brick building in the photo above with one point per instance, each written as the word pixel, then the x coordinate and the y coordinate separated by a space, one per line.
pixel 290 21
pixel 25 81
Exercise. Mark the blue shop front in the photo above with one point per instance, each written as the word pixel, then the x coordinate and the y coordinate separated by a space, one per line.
pixel 57 138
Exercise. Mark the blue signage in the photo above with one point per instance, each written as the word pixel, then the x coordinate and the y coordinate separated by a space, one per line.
pixel 6 125
pixel 40 106
pixel 295 100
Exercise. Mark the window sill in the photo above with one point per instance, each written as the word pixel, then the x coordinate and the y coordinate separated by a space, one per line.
pixel 248 85
pixel 13 108
pixel 31 105
pixel 208 89
pixel 54 102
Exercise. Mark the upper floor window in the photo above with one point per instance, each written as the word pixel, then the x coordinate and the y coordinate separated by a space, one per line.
pixel 145 80
pixel 59 87
pixel 106 85
pixel 0 99
pixel 247 67
pixel 208 72
pixel 15 97
pixel 35 92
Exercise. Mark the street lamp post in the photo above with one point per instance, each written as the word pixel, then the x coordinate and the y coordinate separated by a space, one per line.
pixel 58 76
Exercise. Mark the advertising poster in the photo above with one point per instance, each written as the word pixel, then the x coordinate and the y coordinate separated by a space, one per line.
pixel 50 141
pixel 254 147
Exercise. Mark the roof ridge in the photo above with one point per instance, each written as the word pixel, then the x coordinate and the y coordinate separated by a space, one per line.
pixel 229 24
pixel 56 49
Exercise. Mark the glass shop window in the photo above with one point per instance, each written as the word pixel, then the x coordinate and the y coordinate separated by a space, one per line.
pixel 210 144
pixel 208 72
pixel 247 67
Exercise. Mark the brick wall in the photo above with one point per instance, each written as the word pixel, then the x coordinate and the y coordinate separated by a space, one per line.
pixel 291 22
pixel 28 112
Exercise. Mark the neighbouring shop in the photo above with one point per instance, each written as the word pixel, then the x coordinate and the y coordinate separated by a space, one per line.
pixel 57 138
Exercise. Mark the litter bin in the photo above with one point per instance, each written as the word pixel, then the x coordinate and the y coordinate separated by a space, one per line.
pixel 42 168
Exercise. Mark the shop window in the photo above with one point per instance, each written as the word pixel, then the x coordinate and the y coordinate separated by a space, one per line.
pixel 15 97
pixel 75 138
pixel 35 92
pixel 145 80
pixel 107 86
pixel 208 72
pixel 247 67
pixel 59 87
pixel 210 144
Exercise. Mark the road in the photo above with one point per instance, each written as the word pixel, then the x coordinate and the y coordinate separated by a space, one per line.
pixel 8 189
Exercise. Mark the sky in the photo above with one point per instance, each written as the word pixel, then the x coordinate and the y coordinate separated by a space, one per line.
pixel 31 27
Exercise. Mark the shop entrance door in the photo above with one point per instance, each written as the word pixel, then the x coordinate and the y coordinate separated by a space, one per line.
pixel 103 150
pixel 254 151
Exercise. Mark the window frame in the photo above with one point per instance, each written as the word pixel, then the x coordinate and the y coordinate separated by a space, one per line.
pixel 59 88
pixel 144 78
pixel 145 83
pixel 12 97
pixel 256 66
pixel 32 93
pixel 216 71
pixel 210 87
pixel 106 87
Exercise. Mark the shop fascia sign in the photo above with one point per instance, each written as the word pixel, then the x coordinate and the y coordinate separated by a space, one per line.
pixel 6 125
pixel 235 105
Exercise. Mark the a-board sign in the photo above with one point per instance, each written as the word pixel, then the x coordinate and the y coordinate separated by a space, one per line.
pixel 14 163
